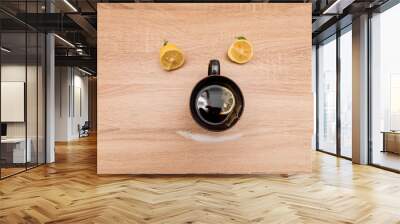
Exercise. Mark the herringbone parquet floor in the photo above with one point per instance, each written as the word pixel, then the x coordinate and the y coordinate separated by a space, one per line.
pixel 69 191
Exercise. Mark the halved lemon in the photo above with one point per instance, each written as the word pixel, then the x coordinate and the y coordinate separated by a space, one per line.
pixel 171 57
pixel 241 50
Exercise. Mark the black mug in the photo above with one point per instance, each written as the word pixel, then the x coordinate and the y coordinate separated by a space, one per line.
pixel 216 102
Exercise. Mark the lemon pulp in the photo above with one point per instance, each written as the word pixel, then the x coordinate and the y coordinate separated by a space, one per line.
pixel 171 57
pixel 240 51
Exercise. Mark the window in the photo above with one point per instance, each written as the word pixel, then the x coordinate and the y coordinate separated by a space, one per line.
pixel 327 95
pixel 331 77
pixel 346 92
pixel 385 89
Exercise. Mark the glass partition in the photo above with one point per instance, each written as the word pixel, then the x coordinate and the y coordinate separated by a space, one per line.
pixel 13 94
pixel 346 92
pixel 22 101
pixel 327 95
pixel 31 99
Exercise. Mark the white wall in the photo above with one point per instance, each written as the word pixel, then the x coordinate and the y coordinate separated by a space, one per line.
pixel 13 101
pixel 62 82
pixel 12 73
pixel 80 110
pixel 70 83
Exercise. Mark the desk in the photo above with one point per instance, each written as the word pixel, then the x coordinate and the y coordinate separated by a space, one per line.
pixel 17 150
pixel 391 141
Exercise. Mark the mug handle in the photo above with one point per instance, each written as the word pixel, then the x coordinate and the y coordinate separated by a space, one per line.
pixel 213 67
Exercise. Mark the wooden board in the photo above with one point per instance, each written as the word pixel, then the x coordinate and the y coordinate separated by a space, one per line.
pixel 144 121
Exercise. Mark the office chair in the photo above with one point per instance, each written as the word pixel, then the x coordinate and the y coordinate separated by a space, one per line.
pixel 84 130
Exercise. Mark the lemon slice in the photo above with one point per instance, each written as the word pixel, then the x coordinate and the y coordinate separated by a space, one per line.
pixel 171 57
pixel 241 50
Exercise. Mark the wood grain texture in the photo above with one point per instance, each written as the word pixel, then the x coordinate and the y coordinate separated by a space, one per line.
pixel 143 111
